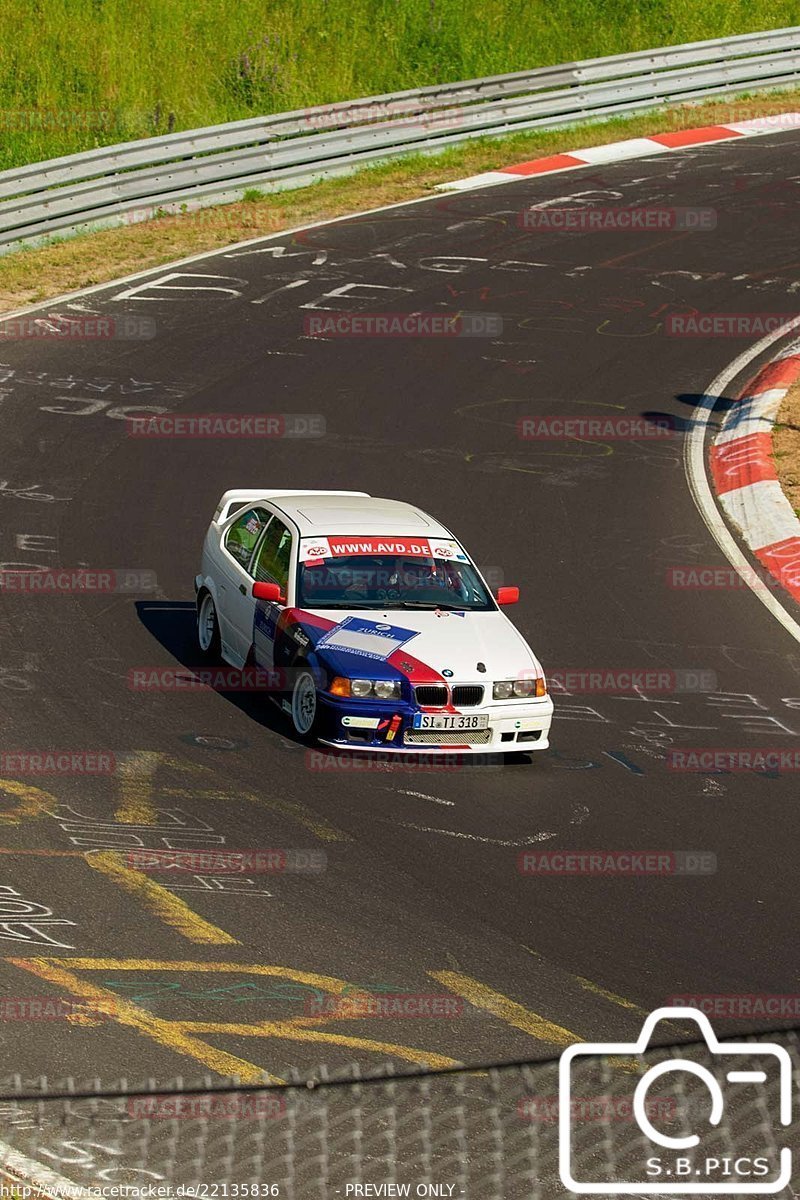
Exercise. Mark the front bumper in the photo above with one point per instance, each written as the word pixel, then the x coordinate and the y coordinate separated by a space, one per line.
pixel 513 725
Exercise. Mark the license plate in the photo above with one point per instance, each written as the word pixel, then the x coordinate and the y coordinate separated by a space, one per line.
pixel 450 721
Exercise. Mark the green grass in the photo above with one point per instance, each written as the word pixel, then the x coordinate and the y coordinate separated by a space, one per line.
pixel 81 73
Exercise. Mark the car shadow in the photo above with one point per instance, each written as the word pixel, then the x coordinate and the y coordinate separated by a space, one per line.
pixel 172 623
pixel 678 423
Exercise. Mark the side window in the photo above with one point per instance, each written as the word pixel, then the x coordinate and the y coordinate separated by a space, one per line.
pixel 243 534
pixel 272 563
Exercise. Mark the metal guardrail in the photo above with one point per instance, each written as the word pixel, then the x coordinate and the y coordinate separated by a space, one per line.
pixel 117 184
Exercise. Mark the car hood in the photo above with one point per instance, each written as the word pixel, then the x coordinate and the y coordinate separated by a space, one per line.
pixel 448 642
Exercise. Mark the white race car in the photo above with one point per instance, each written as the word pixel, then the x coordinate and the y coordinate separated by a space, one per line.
pixel 370 623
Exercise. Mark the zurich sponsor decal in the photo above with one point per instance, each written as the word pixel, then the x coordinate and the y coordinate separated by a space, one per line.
pixel 366 639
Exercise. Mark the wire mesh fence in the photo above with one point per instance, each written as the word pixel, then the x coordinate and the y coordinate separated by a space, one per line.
pixel 488 1133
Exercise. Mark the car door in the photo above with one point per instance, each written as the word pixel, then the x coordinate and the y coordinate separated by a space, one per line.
pixel 271 564
pixel 236 606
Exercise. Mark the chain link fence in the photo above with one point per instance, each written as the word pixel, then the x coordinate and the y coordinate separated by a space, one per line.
pixel 484 1133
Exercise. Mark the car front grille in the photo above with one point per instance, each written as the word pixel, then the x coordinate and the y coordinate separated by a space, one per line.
pixel 448 737
pixel 436 695
pixel 431 695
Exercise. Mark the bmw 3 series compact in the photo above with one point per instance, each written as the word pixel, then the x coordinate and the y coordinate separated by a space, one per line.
pixel 376 626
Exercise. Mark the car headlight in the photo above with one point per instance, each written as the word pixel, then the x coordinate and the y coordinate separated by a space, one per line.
pixel 383 689
pixel 387 689
pixel 509 689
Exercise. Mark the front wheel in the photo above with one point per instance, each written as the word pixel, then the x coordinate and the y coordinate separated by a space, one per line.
pixel 305 706
pixel 208 639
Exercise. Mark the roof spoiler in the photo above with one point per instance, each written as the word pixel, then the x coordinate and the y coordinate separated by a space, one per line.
pixel 235 499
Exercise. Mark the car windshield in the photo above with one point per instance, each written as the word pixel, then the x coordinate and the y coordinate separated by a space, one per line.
pixel 391 581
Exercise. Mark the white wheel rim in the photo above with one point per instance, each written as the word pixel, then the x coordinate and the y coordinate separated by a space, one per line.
pixel 304 703
pixel 206 623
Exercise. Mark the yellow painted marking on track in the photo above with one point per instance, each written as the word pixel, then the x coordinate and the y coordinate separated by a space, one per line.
pixel 32 802
pixel 292 809
pixel 302 814
pixel 507 1010
pixel 180 1036
pixel 158 900
pixel 295 1032
pixel 612 997
pixel 166 1033
pixel 328 983
pixel 589 986
pixel 135 774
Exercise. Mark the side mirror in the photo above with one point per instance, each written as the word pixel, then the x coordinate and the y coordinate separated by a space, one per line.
pixel 268 591
pixel 507 595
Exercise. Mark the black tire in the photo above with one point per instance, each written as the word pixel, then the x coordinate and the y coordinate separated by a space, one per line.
pixel 208 639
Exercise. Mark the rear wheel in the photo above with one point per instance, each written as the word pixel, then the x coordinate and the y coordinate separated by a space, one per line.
pixel 208 639
pixel 304 704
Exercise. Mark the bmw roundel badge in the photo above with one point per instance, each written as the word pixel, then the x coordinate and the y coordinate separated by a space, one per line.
pixel 448 674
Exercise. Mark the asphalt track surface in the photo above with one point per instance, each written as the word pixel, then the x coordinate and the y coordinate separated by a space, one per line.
pixel 422 871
